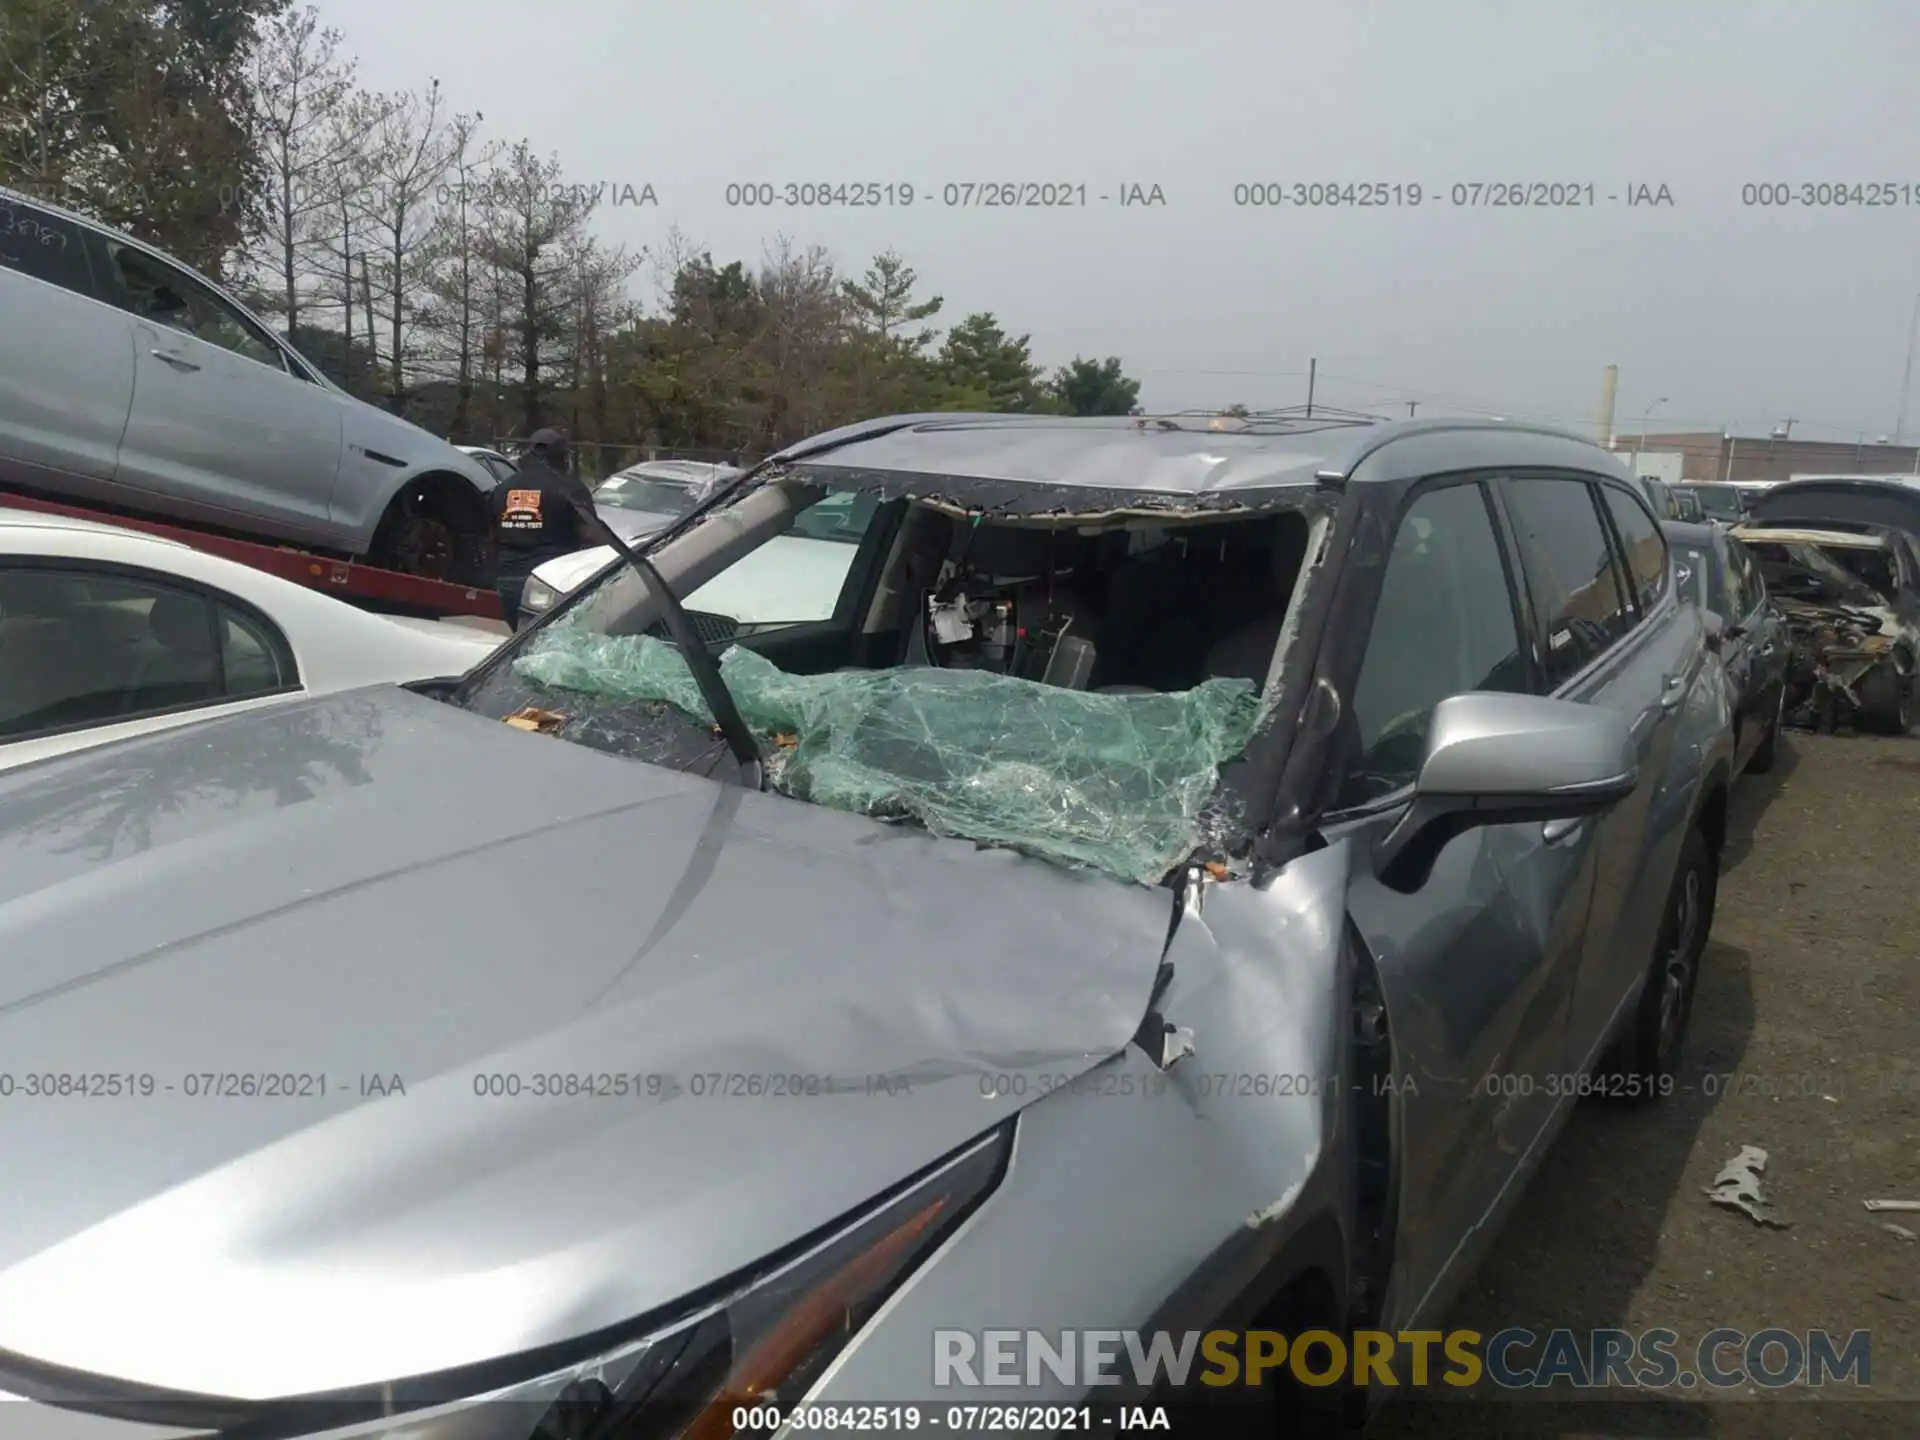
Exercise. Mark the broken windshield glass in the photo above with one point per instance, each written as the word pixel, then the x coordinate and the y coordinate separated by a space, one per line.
pixel 1069 683
pixel 1116 782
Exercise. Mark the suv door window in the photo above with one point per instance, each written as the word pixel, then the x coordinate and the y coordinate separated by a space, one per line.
pixel 158 292
pixel 1444 624
pixel 1643 545
pixel 43 246
pixel 85 647
pixel 1576 587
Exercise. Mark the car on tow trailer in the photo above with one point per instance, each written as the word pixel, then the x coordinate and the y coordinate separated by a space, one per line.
pixel 132 383
pixel 768 1006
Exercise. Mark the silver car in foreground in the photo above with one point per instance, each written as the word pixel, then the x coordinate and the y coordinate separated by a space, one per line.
pixel 129 381
pixel 1186 881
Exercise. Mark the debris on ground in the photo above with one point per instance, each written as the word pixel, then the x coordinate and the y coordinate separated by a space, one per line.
pixel 1900 1230
pixel 1738 1187
pixel 1912 1207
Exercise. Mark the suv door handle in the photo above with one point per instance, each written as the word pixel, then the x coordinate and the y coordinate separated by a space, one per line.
pixel 1674 692
pixel 180 361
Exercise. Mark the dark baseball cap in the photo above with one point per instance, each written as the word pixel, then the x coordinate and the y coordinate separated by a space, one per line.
pixel 548 439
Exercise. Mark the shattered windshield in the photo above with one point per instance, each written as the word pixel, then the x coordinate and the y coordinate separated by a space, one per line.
pixel 1065 685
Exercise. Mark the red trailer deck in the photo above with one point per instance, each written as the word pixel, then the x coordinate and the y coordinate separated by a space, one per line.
pixel 357 584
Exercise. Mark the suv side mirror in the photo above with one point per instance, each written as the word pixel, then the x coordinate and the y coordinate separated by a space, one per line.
pixel 1497 759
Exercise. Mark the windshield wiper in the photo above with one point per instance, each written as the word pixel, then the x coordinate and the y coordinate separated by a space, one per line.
pixel 700 661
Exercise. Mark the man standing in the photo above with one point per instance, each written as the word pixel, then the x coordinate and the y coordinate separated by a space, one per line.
pixel 543 512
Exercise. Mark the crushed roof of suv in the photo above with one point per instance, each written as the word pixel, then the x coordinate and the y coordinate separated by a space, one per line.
pixel 1217 457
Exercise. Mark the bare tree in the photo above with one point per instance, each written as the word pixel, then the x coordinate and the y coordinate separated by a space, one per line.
pixel 299 86
pixel 602 306
pixel 411 150
pixel 494 347
pixel 803 320
pixel 343 236
pixel 529 217
pixel 454 314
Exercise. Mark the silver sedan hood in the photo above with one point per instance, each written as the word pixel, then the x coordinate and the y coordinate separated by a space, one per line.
pixel 393 895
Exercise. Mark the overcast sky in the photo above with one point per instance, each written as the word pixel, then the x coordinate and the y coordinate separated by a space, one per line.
pixel 1739 315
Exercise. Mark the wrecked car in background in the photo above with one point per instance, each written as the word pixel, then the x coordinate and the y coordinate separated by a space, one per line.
pixel 1847 585
pixel 1275 803
pixel 1853 626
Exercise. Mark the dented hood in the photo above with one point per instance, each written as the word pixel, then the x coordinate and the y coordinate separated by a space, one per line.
pixel 417 909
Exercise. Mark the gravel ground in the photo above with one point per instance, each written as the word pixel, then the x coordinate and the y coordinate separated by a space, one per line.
pixel 1805 1041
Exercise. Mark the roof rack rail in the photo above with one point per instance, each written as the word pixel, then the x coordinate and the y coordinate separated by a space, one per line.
pixel 1282 420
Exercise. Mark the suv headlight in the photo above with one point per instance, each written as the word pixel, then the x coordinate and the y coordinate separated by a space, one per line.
pixel 538 596
pixel 765 1341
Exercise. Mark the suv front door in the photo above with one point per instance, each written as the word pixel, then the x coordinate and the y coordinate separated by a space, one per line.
pixel 1611 633
pixel 1478 966
pixel 220 426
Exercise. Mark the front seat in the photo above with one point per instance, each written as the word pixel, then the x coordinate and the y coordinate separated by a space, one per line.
pixel 1246 652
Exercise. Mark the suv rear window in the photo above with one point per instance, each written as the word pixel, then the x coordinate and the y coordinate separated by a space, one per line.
pixel 1642 544
pixel 1570 572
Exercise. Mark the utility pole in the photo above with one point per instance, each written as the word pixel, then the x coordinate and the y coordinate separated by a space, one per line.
pixel 1313 367
pixel 1412 405
pixel 1609 385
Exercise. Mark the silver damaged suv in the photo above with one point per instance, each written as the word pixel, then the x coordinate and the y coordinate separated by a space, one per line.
pixel 1185 881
